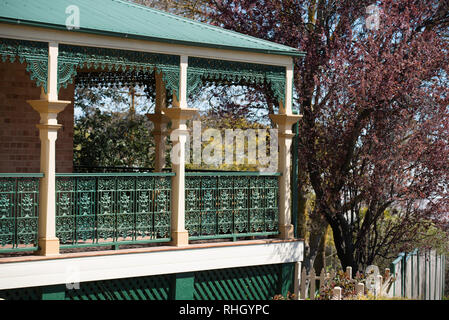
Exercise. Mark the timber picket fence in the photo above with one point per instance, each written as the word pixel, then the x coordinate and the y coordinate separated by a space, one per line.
pixel 308 288
pixel 416 275
pixel 419 274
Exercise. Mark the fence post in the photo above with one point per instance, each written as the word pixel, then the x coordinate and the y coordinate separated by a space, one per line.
pixel 349 272
pixel 322 278
pixel 312 279
pixel 297 279
pixel 360 289
pixel 435 277
pixel 336 293
pixel 416 290
pixel 303 284
pixel 379 285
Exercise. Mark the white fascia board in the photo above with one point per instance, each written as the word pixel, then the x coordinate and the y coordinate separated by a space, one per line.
pixel 116 266
pixel 93 40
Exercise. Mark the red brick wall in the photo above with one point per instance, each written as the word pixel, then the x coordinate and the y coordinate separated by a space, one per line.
pixel 19 137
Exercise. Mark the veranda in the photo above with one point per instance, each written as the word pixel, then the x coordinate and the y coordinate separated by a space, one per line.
pixel 51 208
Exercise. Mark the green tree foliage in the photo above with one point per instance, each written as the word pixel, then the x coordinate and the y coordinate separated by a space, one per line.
pixel 106 135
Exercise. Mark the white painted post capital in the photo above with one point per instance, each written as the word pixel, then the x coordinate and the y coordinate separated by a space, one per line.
pixel 158 118
pixel 48 132
pixel 285 121
pixel 180 114
pixel 48 110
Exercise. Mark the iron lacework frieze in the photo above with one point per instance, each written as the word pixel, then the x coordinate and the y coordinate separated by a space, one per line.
pixel 35 54
pixel 201 70
pixel 73 57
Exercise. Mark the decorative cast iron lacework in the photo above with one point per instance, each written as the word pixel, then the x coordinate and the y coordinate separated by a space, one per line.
pixel 100 209
pixel 117 80
pixel 19 211
pixel 35 54
pixel 201 70
pixel 114 79
pixel 231 205
pixel 73 57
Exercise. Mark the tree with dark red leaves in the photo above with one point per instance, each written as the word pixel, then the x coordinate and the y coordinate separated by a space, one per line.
pixel 373 92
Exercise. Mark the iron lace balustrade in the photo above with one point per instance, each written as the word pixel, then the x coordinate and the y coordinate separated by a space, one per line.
pixel 96 209
pixel 231 204
pixel 19 211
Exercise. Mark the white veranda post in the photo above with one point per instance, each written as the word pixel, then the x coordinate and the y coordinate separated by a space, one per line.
pixel 48 107
pixel 285 120
pixel 179 115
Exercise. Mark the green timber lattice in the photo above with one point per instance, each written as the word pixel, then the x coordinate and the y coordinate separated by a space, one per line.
pixel 34 293
pixel 19 211
pixel 141 288
pixel 120 208
pixel 231 205
pixel 244 283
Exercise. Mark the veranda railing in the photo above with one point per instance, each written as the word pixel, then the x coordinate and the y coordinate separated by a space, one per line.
pixel 111 209
pixel 231 204
pixel 19 211
pixel 94 209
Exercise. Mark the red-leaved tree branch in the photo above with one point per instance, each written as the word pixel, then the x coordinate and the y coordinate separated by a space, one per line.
pixel 373 91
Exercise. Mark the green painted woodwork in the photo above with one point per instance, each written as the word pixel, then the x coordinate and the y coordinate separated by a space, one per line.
pixel 140 288
pixel 112 209
pixel 21 175
pixel 128 20
pixel 117 174
pixel 202 70
pixel 295 179
pixel 56 292
pixel 231 205
pixel 233 174
pixel 182 286
pixel 286 275
pixel 35 54
pixel 245 283
pixel 27 294
pixel 19 210
pixel 72 58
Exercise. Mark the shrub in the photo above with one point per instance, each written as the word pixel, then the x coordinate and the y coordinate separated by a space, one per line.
pixel 290 296
pixel 342 280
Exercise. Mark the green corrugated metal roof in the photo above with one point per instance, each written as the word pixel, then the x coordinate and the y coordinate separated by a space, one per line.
pixel 125 19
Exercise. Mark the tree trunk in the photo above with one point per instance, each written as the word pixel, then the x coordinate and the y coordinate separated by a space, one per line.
pixel 302 201
pixel 320 260
pixel 343 244
pixel 318 227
